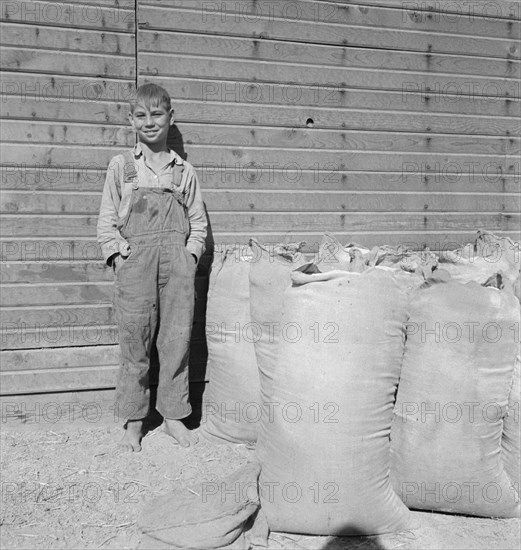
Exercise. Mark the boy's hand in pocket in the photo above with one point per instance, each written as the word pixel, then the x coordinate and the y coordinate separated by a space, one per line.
pixel 124 248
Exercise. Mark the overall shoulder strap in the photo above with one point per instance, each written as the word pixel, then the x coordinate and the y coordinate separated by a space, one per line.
pixel 177 179
pixel 129 169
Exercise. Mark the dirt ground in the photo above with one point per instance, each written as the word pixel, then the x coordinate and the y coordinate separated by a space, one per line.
pixel 65 485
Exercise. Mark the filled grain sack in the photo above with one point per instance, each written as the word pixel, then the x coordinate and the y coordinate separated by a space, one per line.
pixel 269 276
pixel 324 445
pixel 231 402
pixel 488 255
pixel 452 400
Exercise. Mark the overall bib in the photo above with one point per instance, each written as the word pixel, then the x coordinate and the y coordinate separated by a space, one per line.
pixel 154 293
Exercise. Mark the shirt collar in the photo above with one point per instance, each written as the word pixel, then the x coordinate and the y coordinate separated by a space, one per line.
pixel 173 159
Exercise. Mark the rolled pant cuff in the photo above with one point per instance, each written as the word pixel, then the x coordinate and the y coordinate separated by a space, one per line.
pixel 131 410
pixel 175 413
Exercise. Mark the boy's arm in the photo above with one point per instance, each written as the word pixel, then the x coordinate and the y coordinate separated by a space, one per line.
pixel 196 216
pixel 108 234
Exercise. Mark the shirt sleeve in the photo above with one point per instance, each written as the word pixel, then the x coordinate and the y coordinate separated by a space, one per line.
pixel 108 234
pixel 196 215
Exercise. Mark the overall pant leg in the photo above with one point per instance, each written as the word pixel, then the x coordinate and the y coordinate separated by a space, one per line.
pixel 136 310
pixel 176 310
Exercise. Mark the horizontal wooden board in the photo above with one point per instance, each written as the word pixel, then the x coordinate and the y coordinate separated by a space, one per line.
pixel 482 19
pixel 69 379
pixel 241 156
pixel 35 88
pixel 85 134
pixel 214 47
pixel 155 18
pixel 414 177
pixel 56 294
pixel 55 62
pixel 55 271
pixel 94 316
pixel 353 160
pixel 282 72
pixel 73 294
pixel 60 358
pixel 501 9
pixel 74 323
pixel 371 119
pixel 20 208
pixel 48 359
pixel 84 110
pixel 236 136
pixel 76 271
pixel 68 39
pixel 36 335
pixel 317 139
pixel 78 15
pixel 464 99
pixel 362 222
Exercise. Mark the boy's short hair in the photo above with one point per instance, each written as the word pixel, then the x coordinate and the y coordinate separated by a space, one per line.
pixel 151 95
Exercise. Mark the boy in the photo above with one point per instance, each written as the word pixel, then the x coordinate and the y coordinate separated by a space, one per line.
pixel 152 229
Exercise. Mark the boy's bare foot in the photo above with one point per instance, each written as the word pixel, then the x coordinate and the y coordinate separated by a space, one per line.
pixel 177 430
pixel 131 440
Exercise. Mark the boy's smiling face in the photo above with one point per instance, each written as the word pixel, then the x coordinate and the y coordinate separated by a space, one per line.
pixel 151 123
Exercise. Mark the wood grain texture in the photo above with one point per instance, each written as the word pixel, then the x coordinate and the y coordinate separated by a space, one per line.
pixel 68 39
pixel 276 51
pixel 46 88
pixel 309 31
pixel 52 62
pixel 502 9
pixel 376 79
pixel 238 135
pixel 382 111
pixel 414 177
pixel 221 201
pixel 79 15
pixel 42 95
pixel 244 157
pixel 473 17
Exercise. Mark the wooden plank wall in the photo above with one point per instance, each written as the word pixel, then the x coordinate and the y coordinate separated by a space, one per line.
pixel 379 121
pixel 68 69
pixel 415 115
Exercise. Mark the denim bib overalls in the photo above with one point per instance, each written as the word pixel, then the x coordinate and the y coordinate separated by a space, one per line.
pixel 154 295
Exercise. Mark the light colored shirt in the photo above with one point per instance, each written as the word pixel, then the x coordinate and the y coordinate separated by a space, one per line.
pixel 115 206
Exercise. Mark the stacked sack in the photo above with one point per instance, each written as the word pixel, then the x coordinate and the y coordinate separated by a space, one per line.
pixel 268 278
pixel 245 283
pixel 488 256
pixel 454 395
pixel 231 402
pixel 324 442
